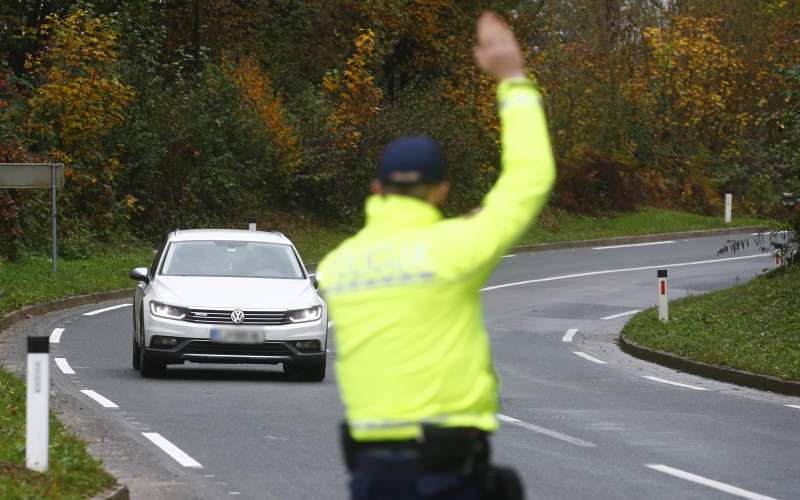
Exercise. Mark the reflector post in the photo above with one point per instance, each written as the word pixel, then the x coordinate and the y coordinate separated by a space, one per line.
pixel 37 404
pixel 663 300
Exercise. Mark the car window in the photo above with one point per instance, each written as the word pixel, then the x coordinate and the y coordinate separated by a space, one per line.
pixel 239 259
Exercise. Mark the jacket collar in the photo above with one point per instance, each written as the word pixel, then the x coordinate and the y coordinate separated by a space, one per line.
pixel 396 212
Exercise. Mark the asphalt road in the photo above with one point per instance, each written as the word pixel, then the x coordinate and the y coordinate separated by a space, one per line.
pixel 580 418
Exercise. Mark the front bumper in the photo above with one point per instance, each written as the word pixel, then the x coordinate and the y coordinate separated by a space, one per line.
pixel 194 343
pixel 205 351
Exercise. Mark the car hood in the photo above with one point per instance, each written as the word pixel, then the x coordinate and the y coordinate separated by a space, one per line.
pixel 234 293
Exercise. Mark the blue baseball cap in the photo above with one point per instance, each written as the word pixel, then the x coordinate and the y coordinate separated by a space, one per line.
pixel 411 160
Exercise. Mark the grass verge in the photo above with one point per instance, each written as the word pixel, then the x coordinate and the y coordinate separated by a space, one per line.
pixel 29 280
pixel 751 327
pixel 558 226
pixel 72 472
pixel 314 240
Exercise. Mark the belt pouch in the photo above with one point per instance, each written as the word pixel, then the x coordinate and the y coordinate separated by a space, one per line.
pixel 452 448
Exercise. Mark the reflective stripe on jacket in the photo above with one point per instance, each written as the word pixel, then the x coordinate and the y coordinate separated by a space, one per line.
pixel 405 291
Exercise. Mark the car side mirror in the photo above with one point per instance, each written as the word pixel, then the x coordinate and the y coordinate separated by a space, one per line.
pixel 140 274
pixel 314 281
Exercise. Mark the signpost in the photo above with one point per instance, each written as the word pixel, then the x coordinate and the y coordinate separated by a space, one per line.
pixel 36 175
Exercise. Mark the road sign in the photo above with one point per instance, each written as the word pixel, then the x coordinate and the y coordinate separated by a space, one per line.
pixel 29 175
pixel 37 175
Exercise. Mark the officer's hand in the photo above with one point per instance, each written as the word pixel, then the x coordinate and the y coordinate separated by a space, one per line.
pixel 497 51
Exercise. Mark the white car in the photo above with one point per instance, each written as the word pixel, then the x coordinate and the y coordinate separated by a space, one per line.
pixel 228 296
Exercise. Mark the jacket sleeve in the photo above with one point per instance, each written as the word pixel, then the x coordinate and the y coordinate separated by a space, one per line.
pixel 528 174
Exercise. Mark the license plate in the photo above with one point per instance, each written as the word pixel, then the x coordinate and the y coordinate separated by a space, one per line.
pixel 228 336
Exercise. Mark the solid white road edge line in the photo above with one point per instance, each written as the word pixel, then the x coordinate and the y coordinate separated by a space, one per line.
pixel 170 449
pixel 634 245
pixel 727 488
pixel 609 271
pixel 55 337
pixel 687 386
pixel 569 335
pixel 545 431
pixel 105 309
pixel 104 401
pixel 626 313
pixel 64 366
pixel 796 407
pixel 589 358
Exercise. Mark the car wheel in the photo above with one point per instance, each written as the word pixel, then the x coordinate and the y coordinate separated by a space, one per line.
pixel 310 373
pixel 135 349
pixel 135 361
pixel 150 368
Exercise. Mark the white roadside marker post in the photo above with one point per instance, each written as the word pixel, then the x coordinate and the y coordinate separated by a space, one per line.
pixel 37 422
pixel 663 311
pixel 728 207
pixel 252 224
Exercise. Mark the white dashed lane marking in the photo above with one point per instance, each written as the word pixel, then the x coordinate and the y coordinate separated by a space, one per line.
pixel 796 407
pixel 590 358
pixel 547 432
pixel 64 366
pixel 170 449
pixel 634 245
pixel 626 313
pixel 104 401
pixel 663 381
pixel 55 337
pixel 569 335
pixel 106 309
pixel 727 488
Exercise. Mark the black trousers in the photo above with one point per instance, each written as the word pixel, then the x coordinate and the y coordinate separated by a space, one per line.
pixel 396 476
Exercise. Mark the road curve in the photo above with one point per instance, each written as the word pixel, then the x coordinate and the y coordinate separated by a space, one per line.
pixel 580 418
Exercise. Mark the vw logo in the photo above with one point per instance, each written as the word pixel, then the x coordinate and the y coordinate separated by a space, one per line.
pixel 237 317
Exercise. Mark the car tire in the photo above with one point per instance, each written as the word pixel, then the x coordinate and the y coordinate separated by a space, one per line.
pixel 136 360
pixel 150 368
pixel 308 373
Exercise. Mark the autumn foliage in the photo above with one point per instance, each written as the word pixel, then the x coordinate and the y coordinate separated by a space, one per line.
pixel 204 113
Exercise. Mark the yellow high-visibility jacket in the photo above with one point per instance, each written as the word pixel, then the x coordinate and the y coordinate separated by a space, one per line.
pixel 404 292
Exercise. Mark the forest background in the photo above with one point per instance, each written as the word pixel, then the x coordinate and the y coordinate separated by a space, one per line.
pixel 196 113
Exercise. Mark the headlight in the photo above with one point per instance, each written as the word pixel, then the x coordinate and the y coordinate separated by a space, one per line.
pixel 303 315
pixel 167 311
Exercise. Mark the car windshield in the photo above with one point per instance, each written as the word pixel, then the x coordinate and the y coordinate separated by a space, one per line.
pixel 234 259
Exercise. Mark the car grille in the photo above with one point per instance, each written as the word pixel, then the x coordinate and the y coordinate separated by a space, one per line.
pixel 223 317
pixel 265 349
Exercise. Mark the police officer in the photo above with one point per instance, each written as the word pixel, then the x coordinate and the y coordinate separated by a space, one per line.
pixel 413 358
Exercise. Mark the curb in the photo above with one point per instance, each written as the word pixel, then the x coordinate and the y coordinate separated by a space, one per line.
pixel 645 238
pixel 116 493
pixel 729 375
pixel 26 312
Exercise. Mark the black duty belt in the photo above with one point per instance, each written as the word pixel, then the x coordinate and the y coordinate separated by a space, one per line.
pixel 439 449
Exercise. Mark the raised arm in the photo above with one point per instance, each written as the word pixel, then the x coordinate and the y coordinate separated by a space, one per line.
pixel 528 169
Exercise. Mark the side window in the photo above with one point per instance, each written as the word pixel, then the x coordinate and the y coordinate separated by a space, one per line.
pixel 156 259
